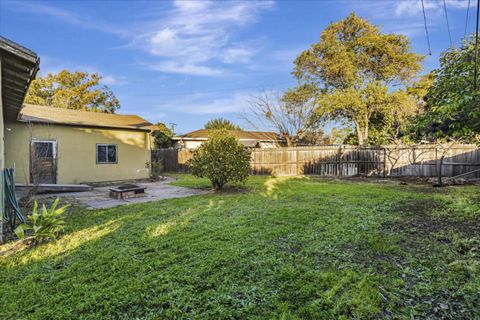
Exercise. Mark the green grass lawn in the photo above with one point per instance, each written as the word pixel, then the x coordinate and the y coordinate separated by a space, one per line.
pixel 278 248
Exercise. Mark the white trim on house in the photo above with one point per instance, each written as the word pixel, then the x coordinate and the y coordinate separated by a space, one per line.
pixel 52 141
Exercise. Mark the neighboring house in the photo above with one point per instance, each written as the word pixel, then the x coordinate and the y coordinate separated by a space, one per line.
pixel 50 145
pixel 250 139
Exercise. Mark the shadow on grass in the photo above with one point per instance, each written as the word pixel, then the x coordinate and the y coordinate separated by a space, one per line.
pixel 289 246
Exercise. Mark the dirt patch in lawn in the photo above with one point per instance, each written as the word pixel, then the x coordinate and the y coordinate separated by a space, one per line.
pixel 415 216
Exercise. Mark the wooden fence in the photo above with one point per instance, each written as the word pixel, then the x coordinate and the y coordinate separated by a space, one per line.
pixel 421 160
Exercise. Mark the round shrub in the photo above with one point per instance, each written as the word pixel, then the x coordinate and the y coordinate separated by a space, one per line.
pixel 221 159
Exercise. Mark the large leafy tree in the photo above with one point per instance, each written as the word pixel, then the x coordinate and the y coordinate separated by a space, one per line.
pixel 452 108
pixel 355 66
pixel 73 90
pixel 221 123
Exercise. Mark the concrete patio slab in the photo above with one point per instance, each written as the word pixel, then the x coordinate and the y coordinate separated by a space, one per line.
pixel 99 197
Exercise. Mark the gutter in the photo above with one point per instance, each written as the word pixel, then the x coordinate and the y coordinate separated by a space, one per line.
pixel 33 75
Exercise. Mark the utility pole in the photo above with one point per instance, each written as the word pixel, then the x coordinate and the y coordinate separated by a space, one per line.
pixel 173 125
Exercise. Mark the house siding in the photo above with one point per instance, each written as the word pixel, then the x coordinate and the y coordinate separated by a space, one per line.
pixel 187 144
pixel 76 152
pixel 194 144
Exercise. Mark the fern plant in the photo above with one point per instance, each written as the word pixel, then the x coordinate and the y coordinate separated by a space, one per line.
pixel 45 224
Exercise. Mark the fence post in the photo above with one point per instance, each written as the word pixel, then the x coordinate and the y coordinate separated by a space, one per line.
pixel 384 161
pixel 298 163
pixel 339 162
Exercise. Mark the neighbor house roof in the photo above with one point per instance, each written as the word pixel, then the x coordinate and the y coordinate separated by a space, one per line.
pixel 19 66
pixel 52 115
pixel 202 134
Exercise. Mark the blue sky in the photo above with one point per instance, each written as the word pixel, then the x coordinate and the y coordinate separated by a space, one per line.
pixel 186 62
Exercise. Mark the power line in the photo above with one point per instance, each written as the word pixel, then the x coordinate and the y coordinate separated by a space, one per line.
pixel 476 47
pixel 426 29
pixel 466 19
pixel 448 24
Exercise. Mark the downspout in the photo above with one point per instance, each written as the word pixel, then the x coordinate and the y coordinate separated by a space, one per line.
pixel 149 141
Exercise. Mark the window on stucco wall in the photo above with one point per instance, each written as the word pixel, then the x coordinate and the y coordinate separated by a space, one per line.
pixel 107 153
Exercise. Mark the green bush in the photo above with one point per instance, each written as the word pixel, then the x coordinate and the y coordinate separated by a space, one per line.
pixel 156 168
pixel 46 224
pixel 221 159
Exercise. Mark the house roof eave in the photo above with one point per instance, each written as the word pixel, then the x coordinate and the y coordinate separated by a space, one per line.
pixel 19 67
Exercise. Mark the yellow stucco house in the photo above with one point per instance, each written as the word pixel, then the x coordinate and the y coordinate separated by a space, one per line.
pixel 48 145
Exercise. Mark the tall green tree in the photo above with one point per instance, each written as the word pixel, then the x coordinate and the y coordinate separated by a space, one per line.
pixel 163 136
pixel 452 108
pixel 354 64
pixel 73 90
pixel 221 123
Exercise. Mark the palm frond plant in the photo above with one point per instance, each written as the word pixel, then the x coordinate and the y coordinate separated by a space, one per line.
pixel 44 224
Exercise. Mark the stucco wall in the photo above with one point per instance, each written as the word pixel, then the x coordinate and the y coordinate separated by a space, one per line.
pixel 76 152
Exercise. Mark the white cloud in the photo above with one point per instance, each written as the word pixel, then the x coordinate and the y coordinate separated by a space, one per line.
pixel 235 55
pixel 409 29
pixel 52 65
pixel 414 7
pixel 238 103
pixel 110 79
pixel 196 34
pixel 67 16
pixel 190 69
pixel 205 104
pixel 191 38
pixel 406 16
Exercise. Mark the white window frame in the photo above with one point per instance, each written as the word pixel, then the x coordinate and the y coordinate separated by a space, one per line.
pixel 106 145
pixel 53 142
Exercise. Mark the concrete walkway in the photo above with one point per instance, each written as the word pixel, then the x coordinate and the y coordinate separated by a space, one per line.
pixel 99 198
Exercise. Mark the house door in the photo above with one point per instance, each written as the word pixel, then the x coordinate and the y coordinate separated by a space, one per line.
pixel 43 162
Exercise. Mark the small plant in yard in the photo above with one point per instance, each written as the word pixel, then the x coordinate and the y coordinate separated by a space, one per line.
pixel 45 224
pixel 221 159
pixel 156 169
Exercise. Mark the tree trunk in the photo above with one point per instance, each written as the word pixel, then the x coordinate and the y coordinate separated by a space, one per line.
pixel 360 136
pixel 365 135
pixel 290 141
pixel 362 133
